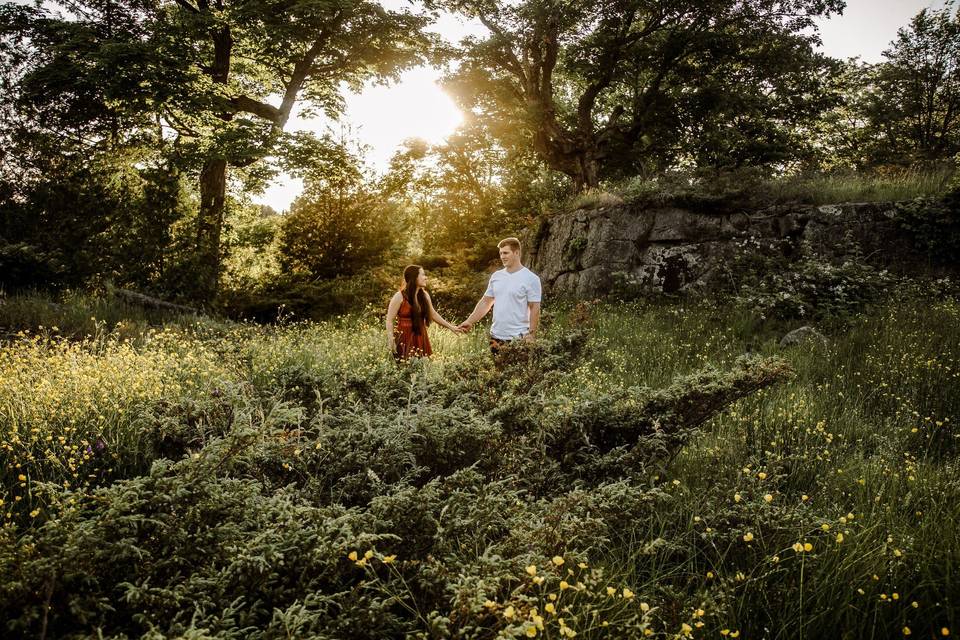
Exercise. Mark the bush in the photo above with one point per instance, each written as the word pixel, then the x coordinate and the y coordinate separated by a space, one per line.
pixel 628 468
pixel 933 224
pixel 815 288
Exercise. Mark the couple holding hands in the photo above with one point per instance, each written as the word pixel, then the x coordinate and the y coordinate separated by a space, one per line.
pixel 513 292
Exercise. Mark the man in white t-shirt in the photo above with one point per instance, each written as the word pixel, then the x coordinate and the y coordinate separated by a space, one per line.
pixel 514 293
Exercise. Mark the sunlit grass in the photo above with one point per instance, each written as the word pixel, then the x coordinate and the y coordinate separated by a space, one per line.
pixel 828 503
pixel 747 190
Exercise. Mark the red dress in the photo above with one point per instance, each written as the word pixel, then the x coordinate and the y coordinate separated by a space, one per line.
pixel 408 343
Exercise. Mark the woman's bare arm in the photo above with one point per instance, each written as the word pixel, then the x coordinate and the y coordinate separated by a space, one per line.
pixel 392 310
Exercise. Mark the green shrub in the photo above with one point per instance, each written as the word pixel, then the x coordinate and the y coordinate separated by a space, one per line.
pixel 933 224
pixel 815 288
pixel 628 468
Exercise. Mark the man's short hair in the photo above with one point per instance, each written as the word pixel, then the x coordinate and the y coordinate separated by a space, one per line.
pixel 513 243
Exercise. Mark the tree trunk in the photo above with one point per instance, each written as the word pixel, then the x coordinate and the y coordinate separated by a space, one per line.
pixel 574 157
pixel 213 188
pixel 213 184
pixel 587 174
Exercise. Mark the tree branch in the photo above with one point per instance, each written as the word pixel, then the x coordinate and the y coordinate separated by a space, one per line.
pixel 510 60
pixel 250 105
pixel 186 5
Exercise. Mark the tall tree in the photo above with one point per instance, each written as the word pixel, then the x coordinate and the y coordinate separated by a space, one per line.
pixel 915 107
pixel 597 84
pixel 220 76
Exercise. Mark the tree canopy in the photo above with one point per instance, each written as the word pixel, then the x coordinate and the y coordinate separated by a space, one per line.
pixel 606 88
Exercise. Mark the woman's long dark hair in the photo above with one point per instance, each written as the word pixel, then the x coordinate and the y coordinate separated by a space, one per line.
pixel 419 309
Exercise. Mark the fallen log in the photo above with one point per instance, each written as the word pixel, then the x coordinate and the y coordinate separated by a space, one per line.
pixel 151 302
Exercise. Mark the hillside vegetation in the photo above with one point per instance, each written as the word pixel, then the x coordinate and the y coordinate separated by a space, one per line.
pixel 634 474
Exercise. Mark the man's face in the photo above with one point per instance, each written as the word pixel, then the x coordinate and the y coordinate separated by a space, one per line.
pixel 508 256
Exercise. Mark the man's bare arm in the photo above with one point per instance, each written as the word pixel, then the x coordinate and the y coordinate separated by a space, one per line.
pixel 482 308
pixel 534 318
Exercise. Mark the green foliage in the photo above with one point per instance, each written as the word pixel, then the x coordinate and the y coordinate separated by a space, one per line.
pixel 812 287
pixel 286 298
pixel 934 225
pixel 901 111
pixel 196 78
pixel 469 192
pixel 329 236
pixel 749 189
pixel 106 217
pixel 918 88
pixel 303 484
pixel 629 86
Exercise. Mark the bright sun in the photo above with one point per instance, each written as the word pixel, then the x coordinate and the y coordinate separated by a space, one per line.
pixel 415 107
pixel 382 117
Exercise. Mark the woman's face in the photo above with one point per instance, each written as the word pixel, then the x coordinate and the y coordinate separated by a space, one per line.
pixel 422 278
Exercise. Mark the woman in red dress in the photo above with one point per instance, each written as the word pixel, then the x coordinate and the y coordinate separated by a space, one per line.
pixel 413 311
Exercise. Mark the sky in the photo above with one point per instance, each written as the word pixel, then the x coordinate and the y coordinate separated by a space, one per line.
pixel 384 116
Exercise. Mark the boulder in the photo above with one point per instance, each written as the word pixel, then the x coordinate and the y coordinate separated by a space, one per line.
pixel 802 335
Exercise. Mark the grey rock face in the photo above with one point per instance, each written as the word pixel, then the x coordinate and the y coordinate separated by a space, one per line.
pixel 583 253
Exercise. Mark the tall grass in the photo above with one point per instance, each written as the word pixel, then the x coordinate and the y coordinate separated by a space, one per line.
pixel 824 507
pixel 886 186
pixel 748 189
pixel 862 443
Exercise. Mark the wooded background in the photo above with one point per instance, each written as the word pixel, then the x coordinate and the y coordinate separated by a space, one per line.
pixel 135 131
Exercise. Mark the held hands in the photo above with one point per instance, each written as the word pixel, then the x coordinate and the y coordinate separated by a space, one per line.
pixel 464 327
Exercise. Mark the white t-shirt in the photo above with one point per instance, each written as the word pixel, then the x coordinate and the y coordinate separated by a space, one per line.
pixel 511 293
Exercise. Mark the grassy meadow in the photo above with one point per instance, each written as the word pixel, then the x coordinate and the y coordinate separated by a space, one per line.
pixel 636 474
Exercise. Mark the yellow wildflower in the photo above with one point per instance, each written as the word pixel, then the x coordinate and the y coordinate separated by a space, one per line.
pixel 557 560
pixel 532 569
pixel 747 537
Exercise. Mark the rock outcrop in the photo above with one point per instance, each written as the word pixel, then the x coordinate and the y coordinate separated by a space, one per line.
pixel 583 253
